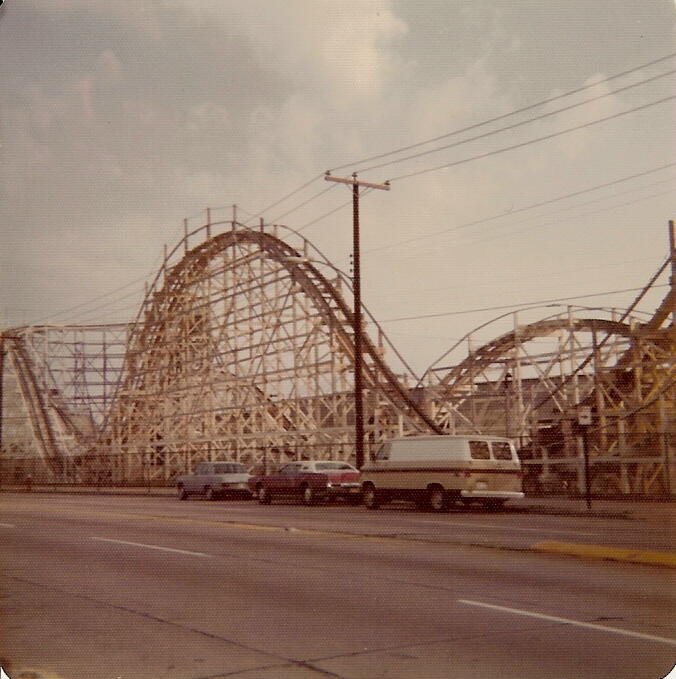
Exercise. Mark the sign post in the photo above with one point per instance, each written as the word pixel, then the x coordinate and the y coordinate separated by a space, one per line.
pixel 584 420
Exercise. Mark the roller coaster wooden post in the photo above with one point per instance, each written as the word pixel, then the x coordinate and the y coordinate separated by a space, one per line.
pixel 356 315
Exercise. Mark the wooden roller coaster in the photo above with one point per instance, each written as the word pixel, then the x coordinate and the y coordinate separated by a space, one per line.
pixel 243 349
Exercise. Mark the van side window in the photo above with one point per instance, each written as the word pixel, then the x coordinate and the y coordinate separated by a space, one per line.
pixel 502 450
pixel 478 450
pixel 384 452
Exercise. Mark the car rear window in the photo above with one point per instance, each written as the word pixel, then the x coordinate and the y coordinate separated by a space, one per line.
pixel 478 450
pixel 502 450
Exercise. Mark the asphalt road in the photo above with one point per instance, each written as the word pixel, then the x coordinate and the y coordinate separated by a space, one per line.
pixel 135 588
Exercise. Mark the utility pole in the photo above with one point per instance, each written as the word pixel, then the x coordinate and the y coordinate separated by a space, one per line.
pixel 356 314
pixel 672 280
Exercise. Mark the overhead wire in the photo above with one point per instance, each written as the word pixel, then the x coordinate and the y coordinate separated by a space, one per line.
pixel 507 115
pixel 514 306
pixel 57 314
pixel 552 135
pixel 624 316
pixel 564 272
pixel 486 122
pixel 288 195
pixel 513 126
pixel 577 216
pixel 474 126
pixel 303 204
pixel 544 224
pixel 363 194
pixel 507 148
pixel 525 208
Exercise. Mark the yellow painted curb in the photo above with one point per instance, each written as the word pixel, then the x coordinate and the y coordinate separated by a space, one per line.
pixel 614 553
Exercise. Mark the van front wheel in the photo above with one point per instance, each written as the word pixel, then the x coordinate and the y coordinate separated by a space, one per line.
pixel 437 499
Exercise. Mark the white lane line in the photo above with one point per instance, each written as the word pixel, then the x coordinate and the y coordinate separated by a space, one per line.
pixel 7 525
pixel 495 525
pixel 157 547
pixel 575 623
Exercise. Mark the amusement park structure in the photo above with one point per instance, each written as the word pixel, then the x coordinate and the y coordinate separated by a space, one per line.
pixel 244 349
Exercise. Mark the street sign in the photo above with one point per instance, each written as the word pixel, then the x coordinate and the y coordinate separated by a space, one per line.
pixel 584 416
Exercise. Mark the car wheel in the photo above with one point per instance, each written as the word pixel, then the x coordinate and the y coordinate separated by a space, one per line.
pixel 371 499
pixel 264 496
pixel 209 494
pixel 437 500
pixel 182 494
pixel 308 495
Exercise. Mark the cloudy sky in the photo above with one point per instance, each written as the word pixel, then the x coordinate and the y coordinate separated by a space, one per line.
pixel 120 119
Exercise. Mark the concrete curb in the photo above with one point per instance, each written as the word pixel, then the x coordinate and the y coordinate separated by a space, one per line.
pixel 640 556
pixel 164 492
pixel 601 552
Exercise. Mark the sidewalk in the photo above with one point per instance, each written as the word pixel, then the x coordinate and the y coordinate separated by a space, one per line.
pixel 637 509
pixel 653 515
pixel 630 508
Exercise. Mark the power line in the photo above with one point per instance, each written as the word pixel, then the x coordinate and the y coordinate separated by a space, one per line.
pixel 58 314
pixel 513 306
pixel 288 195
pixel 549 114
pixel 564 272
pixel 474 126
pixel 521 209
pixel 579 216
pixel 506 115
pixel 534 141
pixel 330 212
pixel 309 200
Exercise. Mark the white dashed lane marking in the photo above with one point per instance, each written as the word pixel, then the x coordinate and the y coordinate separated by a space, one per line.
pixel 156 547
pixel 574 623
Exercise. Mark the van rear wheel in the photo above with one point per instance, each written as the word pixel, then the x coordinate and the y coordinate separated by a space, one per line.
pixel 371 499
pixel 437 500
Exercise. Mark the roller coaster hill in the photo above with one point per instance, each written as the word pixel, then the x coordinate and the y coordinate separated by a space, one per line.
pixel 243 349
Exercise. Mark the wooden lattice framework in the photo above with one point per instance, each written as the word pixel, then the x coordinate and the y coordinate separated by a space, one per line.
pixel 622 369
pixel 242 352
pixel 243 349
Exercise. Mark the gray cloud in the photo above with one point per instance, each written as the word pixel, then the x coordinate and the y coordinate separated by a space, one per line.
pixel 118 120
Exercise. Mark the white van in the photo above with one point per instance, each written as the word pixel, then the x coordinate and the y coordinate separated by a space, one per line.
pixel 434 471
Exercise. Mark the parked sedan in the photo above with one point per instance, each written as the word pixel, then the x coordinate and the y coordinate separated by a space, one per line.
pixel 215 479
pixel 309 481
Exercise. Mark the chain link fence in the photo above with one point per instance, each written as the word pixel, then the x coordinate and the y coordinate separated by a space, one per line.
pixel 631 465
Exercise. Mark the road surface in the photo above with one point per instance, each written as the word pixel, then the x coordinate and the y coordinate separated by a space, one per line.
pixel 134 588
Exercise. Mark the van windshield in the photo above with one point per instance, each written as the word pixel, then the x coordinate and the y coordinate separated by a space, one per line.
pixel 502 450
